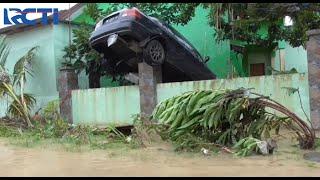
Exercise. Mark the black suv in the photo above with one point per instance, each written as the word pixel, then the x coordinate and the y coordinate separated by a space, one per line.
pixel 128 36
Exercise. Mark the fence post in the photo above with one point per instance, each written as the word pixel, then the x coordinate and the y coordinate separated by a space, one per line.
pixel 313 53
pixel 68 80
pixel 149 76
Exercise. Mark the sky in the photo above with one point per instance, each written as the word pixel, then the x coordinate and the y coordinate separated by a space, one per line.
pixel 31 16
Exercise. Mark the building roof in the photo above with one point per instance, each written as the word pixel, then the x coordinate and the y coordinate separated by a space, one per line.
pixel 73 12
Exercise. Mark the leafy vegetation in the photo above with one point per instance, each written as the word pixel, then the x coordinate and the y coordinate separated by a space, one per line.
pixel 222 117
pixel 317 143
pixel 51 110
pixel 49 127
pixel 6 131
pixel 60 133
pixel 246 146
pixel 246 21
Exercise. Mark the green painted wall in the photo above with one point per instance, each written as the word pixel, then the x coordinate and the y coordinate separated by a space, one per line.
pixel 294 58
pixel 118 104
pixel 61 39
pixel 84 18
pixel 201 35
pixel 51 39
pixel 43 83
pixel 237 62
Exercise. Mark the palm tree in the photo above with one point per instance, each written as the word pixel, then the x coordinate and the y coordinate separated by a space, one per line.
pixel 21 103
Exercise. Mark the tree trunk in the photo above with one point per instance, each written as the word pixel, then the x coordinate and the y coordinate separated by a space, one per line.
pixel 94 80
pixel 94 74
pixel 23 102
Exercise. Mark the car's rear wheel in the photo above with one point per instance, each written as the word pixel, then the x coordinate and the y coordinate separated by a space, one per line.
pixel 154 53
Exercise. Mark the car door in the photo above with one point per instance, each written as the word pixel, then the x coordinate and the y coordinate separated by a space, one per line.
pixel 179 50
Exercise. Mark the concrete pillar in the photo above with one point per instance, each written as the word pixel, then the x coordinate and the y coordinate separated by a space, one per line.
pixel 158 73
pixel 273 58
pixel 68 80
pixel 313 53
pixel 148 78
pixel 282 60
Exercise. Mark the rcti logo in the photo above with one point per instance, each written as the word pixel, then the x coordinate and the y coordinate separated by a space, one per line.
pixel 22 15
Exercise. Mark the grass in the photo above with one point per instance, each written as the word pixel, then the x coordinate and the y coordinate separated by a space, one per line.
pixel 312 164
pixel 68 144
pixel 111 150
pixel 77 140
pixel 317 144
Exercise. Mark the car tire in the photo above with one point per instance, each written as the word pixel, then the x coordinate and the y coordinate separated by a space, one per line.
pixel 154 53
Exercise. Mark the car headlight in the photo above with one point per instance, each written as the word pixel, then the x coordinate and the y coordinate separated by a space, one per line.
pixel 98 24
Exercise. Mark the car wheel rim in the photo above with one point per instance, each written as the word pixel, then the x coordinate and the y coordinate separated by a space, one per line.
pixel 156 52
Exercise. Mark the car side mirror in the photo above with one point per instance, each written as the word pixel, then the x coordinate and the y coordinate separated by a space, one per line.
pixel 206 59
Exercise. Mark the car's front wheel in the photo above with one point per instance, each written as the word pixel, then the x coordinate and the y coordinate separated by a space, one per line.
pixel 154 53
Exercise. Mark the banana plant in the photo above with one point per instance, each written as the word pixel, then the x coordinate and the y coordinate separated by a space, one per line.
pixel 227 116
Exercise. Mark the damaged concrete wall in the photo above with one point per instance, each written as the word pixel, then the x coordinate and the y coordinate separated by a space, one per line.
pixel 118 104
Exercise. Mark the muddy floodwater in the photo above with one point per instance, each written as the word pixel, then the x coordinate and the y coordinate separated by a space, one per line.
pixel 152 161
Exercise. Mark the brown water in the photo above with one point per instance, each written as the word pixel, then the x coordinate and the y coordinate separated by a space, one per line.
pixel 154 161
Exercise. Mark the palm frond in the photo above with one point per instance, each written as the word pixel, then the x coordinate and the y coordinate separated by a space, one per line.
pixel 4 50
pixel 15 106
pixel 24 66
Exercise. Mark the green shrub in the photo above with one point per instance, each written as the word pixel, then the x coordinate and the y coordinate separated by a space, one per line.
pixel 51 110
pixel 8 131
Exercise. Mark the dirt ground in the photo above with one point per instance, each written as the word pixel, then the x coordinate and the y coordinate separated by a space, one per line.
pixel 158 160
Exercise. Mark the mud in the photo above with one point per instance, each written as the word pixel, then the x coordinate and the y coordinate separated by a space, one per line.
pixel 159 160
pixel 312 156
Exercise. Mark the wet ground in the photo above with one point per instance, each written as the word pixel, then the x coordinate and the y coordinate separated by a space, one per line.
pixel 153 161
